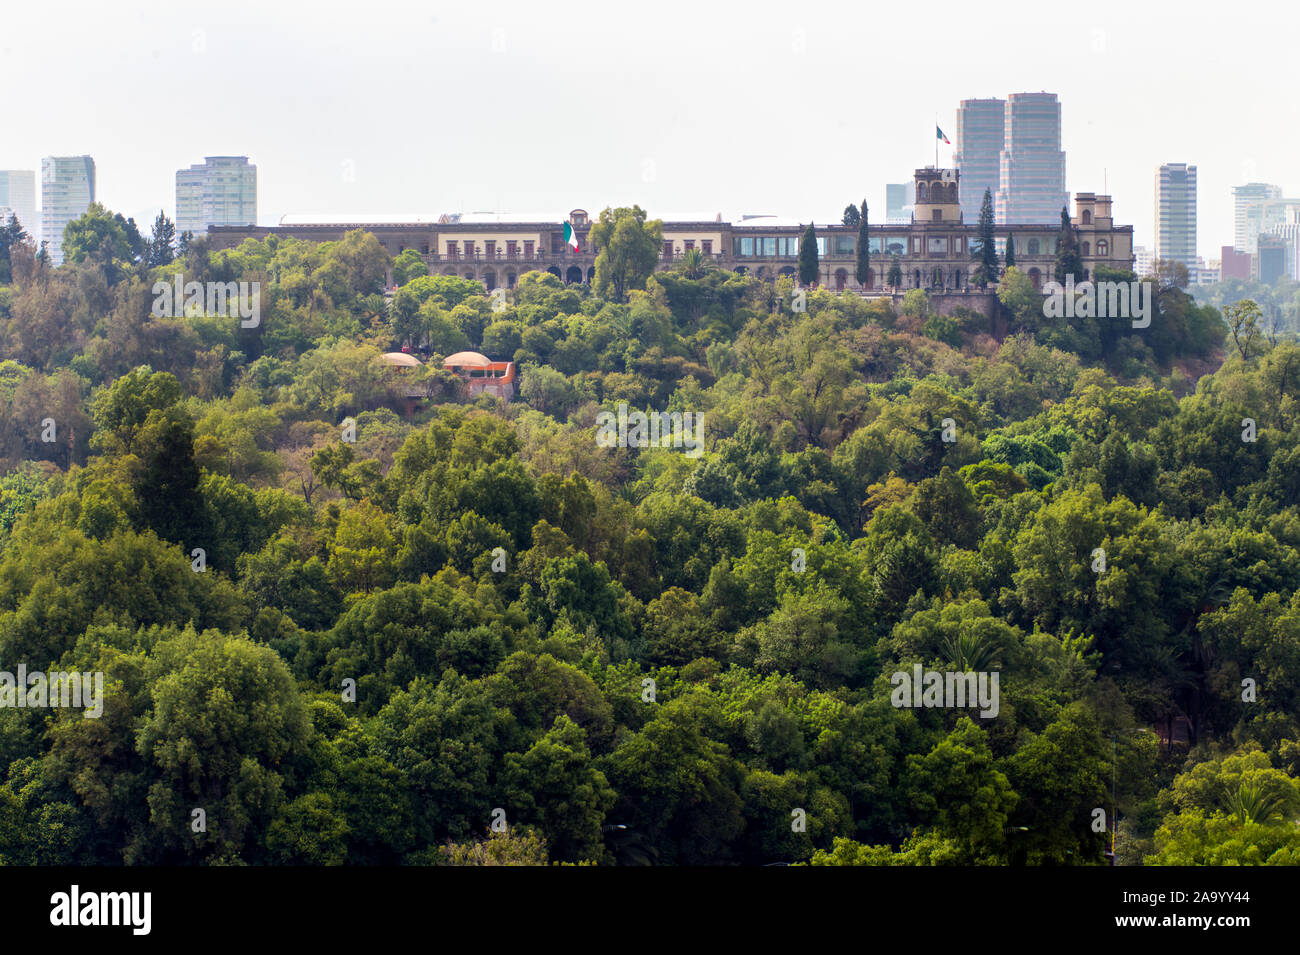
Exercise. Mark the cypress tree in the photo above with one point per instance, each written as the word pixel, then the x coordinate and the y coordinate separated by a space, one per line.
pixel 159 249
pixel 986 256
pixel 895 278
pixel 1068 260
pixel 809 262
pixel 864 248
pixel 1010 258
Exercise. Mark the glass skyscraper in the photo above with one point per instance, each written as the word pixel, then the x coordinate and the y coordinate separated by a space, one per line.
pixel 18 198
pixel 981 124
pixel 1244 238
pixel 67 190
pixel 221 191
pixel 1176 213
pixel 1031 173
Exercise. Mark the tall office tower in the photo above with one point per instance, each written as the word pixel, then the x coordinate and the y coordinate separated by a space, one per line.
pixel 1243 197
pixel 1289 233
pixel 222 191
pixel 67 190
pixel 1263 216
pixel 1176 214
pixel 1270 262
pixel 18 198
pixel 900 197
pixel 981 126
pixel 1144 261
pixel 1031 170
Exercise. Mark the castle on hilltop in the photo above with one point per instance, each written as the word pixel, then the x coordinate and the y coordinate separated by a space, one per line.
pixel 933 251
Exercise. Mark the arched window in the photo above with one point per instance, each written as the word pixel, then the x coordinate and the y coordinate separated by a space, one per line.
pixel 1103 248
pixel 922 192
pixel 1087 217
pixel 1087 248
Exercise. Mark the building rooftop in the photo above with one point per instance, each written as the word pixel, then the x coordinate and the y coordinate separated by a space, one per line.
pixel 466 358
pixel 402 359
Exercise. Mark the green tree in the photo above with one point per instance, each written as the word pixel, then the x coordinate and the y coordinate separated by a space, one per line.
pixel 1068 259
pixel 1010 258
pixel 408 265
pixel 160 247
pixel 627 250
pixel 864 248
pixel 809 264
pixel 1022 301
pixel 985 255
pixel 102 236
pixel 678 784
pixel 12 235
pixel 555 787
pixel 851 215
pixel 1243 320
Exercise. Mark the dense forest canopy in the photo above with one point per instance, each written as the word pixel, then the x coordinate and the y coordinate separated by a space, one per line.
pixel 475 618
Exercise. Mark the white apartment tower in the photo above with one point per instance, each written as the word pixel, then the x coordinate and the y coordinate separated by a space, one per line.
pixel 221 191
pixel 67 190
pixel 1243 197
pixel 18 198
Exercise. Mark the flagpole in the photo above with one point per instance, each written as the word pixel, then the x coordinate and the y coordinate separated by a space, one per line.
pixel 936 140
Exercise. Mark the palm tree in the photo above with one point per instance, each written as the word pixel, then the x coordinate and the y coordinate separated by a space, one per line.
pixel 693 264
pixel 968 652
pixel 1249 804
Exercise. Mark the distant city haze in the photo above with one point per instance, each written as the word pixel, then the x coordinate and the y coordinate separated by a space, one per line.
pixel 684 108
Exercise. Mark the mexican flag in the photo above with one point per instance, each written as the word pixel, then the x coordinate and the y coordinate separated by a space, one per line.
pixel 571 237
pixel 942 137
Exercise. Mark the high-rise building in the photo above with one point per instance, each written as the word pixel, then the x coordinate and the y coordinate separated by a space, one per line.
pixel 1289 233
pixel 1270 263
pixel 1243 240
pixel 981 126
pixel 1234 264
pixel 1031 172
pixel 1263 216
pixel 67 190
pixel 1176 213
pixel 900 197
pixel 18 198
pixel 1144 261
pixel 221 191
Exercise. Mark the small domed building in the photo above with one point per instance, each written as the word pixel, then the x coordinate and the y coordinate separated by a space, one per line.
pixel 482 374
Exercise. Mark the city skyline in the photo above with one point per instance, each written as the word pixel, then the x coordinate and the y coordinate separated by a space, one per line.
pixel 560 115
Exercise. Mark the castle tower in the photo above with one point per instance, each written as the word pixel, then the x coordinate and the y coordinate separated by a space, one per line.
pixel 937 197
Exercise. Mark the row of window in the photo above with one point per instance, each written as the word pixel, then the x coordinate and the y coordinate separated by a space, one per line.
pixel 788 246
pixel 489 249
pixel 706 246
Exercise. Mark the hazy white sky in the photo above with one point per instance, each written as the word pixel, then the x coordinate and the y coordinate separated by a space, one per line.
pixel 698 106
